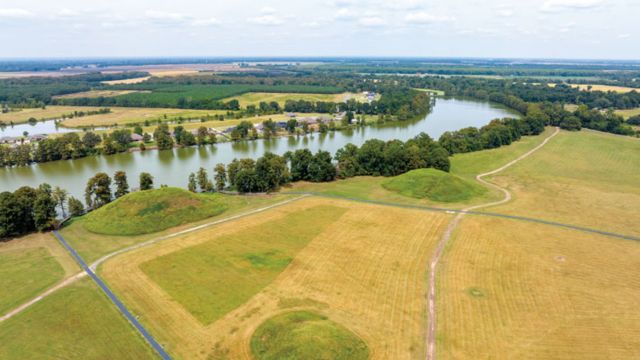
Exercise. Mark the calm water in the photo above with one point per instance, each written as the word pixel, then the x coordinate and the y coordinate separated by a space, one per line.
pixel 39 128
pixel 173 167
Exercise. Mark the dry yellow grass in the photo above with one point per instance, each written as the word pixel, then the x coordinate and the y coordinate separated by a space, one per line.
pixel 515 290
pixel 125 115
pixel 50 112
pixel 127 81
pixel 605 88
pixel 365 271
pixel 628 112
pixel 47 241
pixel 95 94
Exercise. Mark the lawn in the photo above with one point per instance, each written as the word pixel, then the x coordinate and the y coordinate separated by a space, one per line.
pixel 150 211
pixel 215 277
pixel 92 246
pixel 434 185
pixel 76 322
pixel 365 271
pixel 582 178
pixel 50 112
pixel 28 266
pixel 306 335
pixel 516 290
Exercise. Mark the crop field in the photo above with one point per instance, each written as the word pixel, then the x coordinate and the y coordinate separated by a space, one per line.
pixel 92 246
pixel 549 185
pixel 131 115
pixel 254 98
pixel 30 265
pixel 76 322
pixel 605 88
pixel 361 268
pixel 96 93
pixel 515 290
pixel 50 112
pixel 127 81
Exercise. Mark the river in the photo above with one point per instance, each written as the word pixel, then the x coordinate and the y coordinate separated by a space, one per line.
pixel 172 167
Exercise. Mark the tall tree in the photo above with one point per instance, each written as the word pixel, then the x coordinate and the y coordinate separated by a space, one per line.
pixel 146 181
pixel 60 197
pixel 98 190
pixel 122 187
pixel 75 206
pixel 203 180
pixel 220 176
pixel 192 185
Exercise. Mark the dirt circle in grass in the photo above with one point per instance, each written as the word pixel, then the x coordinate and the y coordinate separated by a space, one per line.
pixel 305 335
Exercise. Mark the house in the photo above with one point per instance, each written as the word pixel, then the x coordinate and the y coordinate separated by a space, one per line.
pixel 8 140
pixel 36 138
pixel 136 137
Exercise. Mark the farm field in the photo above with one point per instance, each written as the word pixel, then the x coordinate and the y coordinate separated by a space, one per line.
pixel 127 81
pixel 551 186
pixel 605 88
pixel 254 98
pixel 76 322
pixel 130 115
pixel 28 266
pixel 516 290
pixel 50 112
pixel 363 268
pixel 91 245
pixel 628 112
pixel 96 93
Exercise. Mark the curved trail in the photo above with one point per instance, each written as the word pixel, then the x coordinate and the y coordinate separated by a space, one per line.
pixel 431 297
pixel 70 280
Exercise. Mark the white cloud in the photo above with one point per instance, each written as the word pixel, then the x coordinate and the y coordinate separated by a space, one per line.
pixel 269 20
pixel 344 14
pixel 206 22
pixel 372 21
pixel 167 18
pixel 404 4
pixel 505 13
pixel 425 18
pixel 268 10
pixel 562 5
pixel 624 36
pixel 15 13
pixel 67 13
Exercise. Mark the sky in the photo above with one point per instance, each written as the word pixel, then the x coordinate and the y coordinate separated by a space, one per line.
pixel 568 29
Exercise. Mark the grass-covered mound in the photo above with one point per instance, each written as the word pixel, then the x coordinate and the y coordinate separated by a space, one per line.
pixel 434 185
pixel 151 211
pixel 305 335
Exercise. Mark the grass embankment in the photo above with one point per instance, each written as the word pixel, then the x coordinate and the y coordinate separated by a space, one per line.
pixel 76 322
pixel 306 335
pixel 144 212
pixel 583 178
pixel 92 246
pixel 28 266
pixel 215 277
pixel 365 271
pixel 512 290
pixel 434 185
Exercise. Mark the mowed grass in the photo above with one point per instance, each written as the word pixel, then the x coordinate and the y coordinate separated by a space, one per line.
pixel 516 290
pixel 365 271
pixel 50 112
pixel 254 98
pixel 434 185
pixel 306 335
pixel 582 178
pixel 215 277
pixel 131 115
pixel 75 322
pixel 28 266
pixel 91 246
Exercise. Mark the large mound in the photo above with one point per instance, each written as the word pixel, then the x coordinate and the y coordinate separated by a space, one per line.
pixel 150 211
pixel 306 335
pixel 434 185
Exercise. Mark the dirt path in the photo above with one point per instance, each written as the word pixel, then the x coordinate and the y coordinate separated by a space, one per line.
pixel 431 297
pixel 95 264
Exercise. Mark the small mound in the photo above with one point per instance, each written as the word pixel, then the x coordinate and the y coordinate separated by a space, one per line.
pixel 434 185
pixel 305 335
pixel 151 211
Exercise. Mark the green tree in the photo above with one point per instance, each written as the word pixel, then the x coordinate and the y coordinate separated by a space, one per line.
pixel 98 190
pixel 44 210
pixel 122 187
pixel 192 185
pixel 75 206
pixel 320 167
pixel 203 180
pixel 146 181
pixel 220 176
pixel 60 197
pixel 163 137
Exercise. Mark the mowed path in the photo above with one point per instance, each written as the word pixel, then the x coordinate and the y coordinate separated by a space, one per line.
pixel 431 297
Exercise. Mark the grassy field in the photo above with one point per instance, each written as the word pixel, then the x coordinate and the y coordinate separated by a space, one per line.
pixel 30 265
pixel 96 93
pixel 628 112
pixel 436 92
pixel 130 115
pixel 514 290
pixel 144 212
pixel 365 271
pixel 582 178
pixel 306 335
pixel 254 98
pixel 605 88
pixel 213 278
pixel 434 185
pixel 127 81
pixel 50 112
pixel 76 322
pixel 92 246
